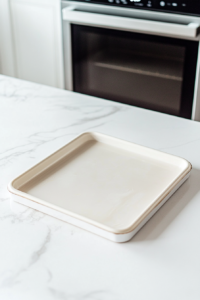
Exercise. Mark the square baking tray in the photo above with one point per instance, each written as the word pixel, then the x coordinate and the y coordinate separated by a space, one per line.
pixel 105 185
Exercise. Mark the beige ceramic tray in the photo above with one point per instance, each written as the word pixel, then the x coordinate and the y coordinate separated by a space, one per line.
pixel 102 184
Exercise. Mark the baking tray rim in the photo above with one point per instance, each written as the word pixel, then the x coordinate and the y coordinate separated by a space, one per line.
pixel 128 229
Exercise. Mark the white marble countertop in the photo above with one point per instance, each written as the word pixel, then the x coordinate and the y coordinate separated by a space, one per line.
pixel 44 258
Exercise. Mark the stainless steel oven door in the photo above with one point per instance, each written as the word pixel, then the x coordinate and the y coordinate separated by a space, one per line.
pixel 140 76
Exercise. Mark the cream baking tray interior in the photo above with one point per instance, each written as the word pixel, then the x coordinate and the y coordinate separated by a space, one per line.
pixel 102 184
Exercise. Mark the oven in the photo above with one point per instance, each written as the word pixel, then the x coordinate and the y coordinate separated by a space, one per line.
pixel 138 52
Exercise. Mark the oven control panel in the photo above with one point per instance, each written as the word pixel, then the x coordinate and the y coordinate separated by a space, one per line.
pixel 191 7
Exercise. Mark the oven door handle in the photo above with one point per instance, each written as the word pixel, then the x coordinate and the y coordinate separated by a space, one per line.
pixel 70 15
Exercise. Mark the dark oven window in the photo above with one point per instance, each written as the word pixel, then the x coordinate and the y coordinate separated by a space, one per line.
pixel 152 72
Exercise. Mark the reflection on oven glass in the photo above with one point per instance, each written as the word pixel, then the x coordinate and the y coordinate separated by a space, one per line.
pixel 134 71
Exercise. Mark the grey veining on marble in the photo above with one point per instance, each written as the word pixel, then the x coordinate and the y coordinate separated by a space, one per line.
pixel 44 258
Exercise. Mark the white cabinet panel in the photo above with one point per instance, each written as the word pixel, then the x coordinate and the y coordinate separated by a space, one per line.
pixel 7 61
pixel 37 40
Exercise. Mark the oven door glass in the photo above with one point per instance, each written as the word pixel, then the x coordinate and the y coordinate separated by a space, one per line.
pixel 147 71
